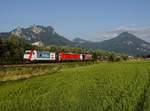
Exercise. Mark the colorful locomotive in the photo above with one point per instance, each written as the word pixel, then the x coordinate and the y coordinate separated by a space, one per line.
pixel 34 55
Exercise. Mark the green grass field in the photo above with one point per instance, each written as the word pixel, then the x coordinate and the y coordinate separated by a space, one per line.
pixel 13 72
pixel 120 86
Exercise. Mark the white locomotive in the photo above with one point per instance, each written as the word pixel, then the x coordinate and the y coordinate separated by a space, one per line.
pixel 33 55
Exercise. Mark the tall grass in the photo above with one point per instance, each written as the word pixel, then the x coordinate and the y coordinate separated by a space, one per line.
pixel 21 72
pixel 100 87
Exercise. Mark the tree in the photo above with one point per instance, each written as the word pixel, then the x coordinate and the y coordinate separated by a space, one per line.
pixel 1 50
pixel 12 50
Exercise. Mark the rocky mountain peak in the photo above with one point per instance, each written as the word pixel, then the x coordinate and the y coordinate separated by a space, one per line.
pixel 37 29
pixel 35 33
pixel 17 31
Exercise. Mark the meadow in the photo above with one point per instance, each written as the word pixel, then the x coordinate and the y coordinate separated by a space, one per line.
pixel 18 72
pixel 111 86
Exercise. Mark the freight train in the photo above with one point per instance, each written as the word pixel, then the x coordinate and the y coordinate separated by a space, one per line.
pixel 46 56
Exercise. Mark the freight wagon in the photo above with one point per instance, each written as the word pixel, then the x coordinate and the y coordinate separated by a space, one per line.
pixel 87 57
pixel 70 57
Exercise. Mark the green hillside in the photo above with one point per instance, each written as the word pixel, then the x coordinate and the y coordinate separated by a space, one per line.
pixel 123 43
pixel 120 86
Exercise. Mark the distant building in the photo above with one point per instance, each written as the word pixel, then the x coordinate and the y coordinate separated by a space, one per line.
pixel 38 43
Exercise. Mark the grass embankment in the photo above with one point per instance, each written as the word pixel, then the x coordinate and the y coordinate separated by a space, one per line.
pixel 17 72
pixel 121 86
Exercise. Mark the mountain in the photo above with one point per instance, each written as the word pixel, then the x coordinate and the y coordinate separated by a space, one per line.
pixel 79 41
pixel 123 43
pixel 140 32
pixel 4 35
pixel 126 43
pixel 36 33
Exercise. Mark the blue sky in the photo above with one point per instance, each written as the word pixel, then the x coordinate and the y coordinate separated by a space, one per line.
pixel 74 18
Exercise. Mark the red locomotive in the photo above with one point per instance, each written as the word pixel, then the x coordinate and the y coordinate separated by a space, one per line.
pixel 70 57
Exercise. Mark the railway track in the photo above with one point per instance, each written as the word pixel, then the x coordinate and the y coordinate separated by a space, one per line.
pixel 25 65
pixel 35 64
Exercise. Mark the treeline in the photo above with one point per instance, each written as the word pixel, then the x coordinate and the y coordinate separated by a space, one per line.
pixel 12 50
pixel 144 56
pixel 101 55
